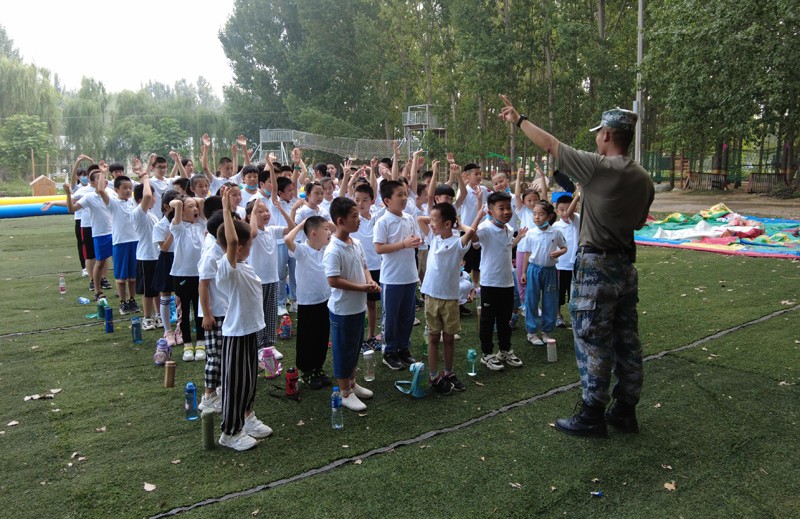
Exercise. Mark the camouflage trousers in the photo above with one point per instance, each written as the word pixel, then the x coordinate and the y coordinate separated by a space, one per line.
pixel 602 304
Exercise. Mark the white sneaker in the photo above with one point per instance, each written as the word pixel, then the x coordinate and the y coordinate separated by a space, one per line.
pixel 545 337
pixel 200 352
pixel 361 392
pixel 278 355
pixel 416 322
pixel 158 321
pixel 535 340
pixel 238 442
pixel 352 402
pixel 84 273
pixel 456 337
pixel 211 403
pixel 293 307
pixel 148 324
pixel 188 352
pixel 255 427
pixel 492 362
pixel 282 310
pixel 509 358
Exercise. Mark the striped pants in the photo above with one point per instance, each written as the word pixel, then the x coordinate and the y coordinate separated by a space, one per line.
pixel 213 371
pixel 267 336
pixel 239 380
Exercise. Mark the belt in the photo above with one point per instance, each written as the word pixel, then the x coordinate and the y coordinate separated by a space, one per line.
pixel 585 249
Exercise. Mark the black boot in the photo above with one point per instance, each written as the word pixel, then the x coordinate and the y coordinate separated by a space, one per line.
pixel 588 422
pixel 622 416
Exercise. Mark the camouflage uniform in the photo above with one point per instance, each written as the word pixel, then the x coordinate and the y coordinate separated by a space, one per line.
pixel 605 327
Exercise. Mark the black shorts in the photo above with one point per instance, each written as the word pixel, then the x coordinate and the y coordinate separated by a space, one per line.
pixel 145 272
pixel 88 243
pixel 472 260
pixel 162 280
pixel 564 282
pixel 376 277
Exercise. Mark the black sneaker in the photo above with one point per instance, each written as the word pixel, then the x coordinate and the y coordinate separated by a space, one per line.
pixel 464 311
pixel 406 358
pixel 91 285
pixel 441 386
pixel 134 306
pixel 104 284
pixel 312 380
pixel 326 381
pixel 392 361
pixel 453 379
pixel 124 308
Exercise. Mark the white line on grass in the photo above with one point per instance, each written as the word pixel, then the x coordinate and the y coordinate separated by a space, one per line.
pixel 437 432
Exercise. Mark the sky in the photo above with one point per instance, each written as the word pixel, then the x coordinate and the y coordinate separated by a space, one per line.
pixel 123 44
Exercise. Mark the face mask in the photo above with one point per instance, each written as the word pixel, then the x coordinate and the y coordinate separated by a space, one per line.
pixel 84 181
pixel 544 226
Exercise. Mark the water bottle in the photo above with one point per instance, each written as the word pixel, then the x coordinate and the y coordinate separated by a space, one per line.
pixel 163 352
pixel 552 352
pixel 369 365
pixel 173 310
pixel 84 300
pixel 286 327
pixel 191 401
pixel 272 368
pixel 136 329
pixel 424 344
pixel 62 285
pixel 101 308
pixel 109 314
pixel 291 383
pixel 337 419
pixel 472 363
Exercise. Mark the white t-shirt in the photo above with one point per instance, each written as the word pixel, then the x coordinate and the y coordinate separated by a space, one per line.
pixel 365 234
pixel 188 240
pixel 526 218
pixel 540 243
pixel 303 213
pixel 571 233
pixel 398 267
pixel 215 184
pixel 444 266
pixel 143 223
pixel 161 233
pixel 245 306
pixel 247 196
pixel 469 207
pixel 264 254
pixel 312 284
pixel 121 229
pixel 99 213
pixel 77 193
pixel 208 266
pixel 346 260
pixel 325 205
pixel 496 243
pixel 159 187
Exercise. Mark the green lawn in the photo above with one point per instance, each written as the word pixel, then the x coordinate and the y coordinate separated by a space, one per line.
pixel 723 414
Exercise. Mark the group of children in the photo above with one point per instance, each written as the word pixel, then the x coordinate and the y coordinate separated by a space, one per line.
pixel 238 250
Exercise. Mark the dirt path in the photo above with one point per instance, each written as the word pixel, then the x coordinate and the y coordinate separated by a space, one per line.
pixel 689 203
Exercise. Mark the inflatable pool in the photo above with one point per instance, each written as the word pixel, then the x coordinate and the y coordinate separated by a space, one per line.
pixel 25 210
pixel 25 200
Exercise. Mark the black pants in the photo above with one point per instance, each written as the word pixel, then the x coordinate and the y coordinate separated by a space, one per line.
pixel 496 306
pixel 79 237
pixel 239 380
pixel 188 290
pixel 564 282
pixel 313 331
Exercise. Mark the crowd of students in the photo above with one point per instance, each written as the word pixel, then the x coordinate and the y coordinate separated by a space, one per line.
pixel 241 246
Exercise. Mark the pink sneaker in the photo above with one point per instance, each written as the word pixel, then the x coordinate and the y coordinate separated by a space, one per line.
pixel 170 337
pixel 178 336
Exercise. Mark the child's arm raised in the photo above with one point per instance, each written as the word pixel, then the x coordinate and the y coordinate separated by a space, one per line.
pixel 71 206
pixel 518 189
pixel 373 176
pixel 462 186
pixel 297 205
pixel 177 207
pixel 573 206
pixel 254 220
pixel 147 192
pixel 76 167
pixel 540 174
pixel 230 232
pixel 395 160
pixel 432 184
pixel 241 140
pixel 345 183
pixel 204 158
pixel 289 238
pixel 415 163
pixel 423 222
pixel 100 188
pixel 176 158
pixel 469 232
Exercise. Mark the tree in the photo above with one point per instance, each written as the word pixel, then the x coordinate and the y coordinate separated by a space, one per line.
pixel 20 134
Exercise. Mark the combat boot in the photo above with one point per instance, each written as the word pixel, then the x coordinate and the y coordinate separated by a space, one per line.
pixel 622 416
pixel 588 422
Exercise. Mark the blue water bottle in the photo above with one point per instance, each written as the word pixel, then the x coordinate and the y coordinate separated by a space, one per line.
pixel 173 310
pixel 136 329
pixel 109 319
pixel 191 401
pixel 337 420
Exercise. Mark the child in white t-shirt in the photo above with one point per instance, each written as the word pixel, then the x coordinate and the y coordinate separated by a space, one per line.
pixel 569 225
pixel 143 221
pixel 309 207
pixel 313 292
pixel 347 273
pixel 245 317
pixel 124 242
pixel 441 290
pixel 369 215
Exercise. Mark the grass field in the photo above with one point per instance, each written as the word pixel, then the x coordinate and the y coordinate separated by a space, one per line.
pixel 719 418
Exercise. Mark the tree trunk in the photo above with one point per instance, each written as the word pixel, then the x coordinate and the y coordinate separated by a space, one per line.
pixel 548 54
pixel 601 19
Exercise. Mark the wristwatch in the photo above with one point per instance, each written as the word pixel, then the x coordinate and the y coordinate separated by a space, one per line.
pixel 522 117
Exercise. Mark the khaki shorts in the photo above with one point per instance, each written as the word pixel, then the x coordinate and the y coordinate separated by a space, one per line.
pixel 441 315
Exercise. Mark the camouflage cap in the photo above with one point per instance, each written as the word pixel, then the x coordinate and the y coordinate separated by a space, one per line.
pixel 618 118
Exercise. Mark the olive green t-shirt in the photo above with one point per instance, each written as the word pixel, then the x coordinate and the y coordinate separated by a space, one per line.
pixel 617 193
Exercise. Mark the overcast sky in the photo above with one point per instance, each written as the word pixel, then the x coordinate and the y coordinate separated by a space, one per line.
pixel 122 44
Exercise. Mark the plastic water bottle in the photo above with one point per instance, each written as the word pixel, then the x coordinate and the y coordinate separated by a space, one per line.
pixel 62 285
pixel 369 365
pixel 337 419
pixel 191 401
pixel 286 327
pixel 84 300
pixel 472 362
pixel 173 310
pixel 136 329
pixel 109 315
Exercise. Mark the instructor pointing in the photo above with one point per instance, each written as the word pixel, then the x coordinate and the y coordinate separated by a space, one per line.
pixel 617 193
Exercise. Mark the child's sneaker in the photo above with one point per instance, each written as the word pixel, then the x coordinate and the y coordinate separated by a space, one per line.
pixel 188 352
pixel 560 323
pixel 84 273
pixel 278 355
pixel 392 361
pixel 352 402
pixel 463 311
pixel 238 442
pixel 148 324
pixel 200 351
pixel 535 340
pixel 124 309
pixel 104 284
pixel 326 381
pixel 312 379
pixel 282 310
pixel 509 358
pixel 178 336
pixel 453 379
pixel 134 306
pixel 157 319
pixel 362 392
pixel 91 285
pixel 416 322
pixel 170 337
pixel 255 428
pixel 210 403
pixel 491 362
pixel 406 358
pixel 545 337
pixel 441 386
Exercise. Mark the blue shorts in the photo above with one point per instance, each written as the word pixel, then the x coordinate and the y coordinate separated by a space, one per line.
pixel 102 247
pixel 124 255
